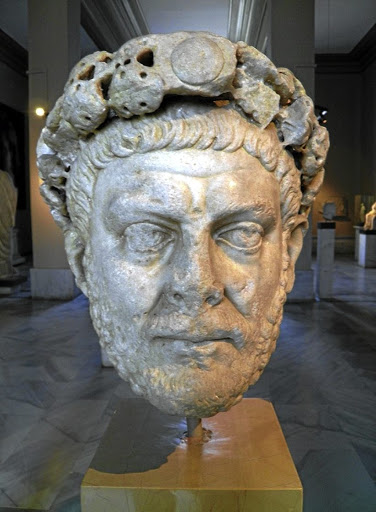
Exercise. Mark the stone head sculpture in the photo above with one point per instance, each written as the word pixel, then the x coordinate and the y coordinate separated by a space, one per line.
pixel 182 169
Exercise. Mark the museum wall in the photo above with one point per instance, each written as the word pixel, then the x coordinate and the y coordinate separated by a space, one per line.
pixel 368 134
pixel 292 39
pixel 13 88
pixel 341 94
pixel 14 94
pixel 345 85
pixel 297 53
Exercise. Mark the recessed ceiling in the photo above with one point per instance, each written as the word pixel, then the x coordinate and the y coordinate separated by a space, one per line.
pixel 13 20
pixel 173 15
pixel 340 24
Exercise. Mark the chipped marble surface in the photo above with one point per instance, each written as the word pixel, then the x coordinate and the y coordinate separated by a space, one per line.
pixel 56 399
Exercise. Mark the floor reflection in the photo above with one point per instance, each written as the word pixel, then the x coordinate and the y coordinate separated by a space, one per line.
pixel 56 399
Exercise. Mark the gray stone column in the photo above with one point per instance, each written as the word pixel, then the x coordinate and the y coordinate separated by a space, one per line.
pixel 293 46
pixel 54 47
pixel 326 235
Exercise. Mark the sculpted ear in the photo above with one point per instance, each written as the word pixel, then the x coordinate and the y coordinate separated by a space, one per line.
pixel 75 249
pixel 294 246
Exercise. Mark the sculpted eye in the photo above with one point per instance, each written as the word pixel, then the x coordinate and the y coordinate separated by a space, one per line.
pixel 146 237
pixel 242 236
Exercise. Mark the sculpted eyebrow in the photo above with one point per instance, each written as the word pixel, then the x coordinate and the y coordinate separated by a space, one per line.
pixel 122 209
pixel 256 211
pixel 256 207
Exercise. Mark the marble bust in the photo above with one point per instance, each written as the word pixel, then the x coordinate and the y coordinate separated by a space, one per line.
pixel 370 219
pixel 182 169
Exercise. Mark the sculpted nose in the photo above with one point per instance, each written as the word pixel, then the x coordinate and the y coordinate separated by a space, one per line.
pixel 187 291
pixel 192 295
pixel 193 280
pixel 214 296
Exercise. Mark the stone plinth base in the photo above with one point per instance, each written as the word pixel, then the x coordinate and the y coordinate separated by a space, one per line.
pixel 357 233
pixel 12 284
pixel 367 248
pixel 53 283
pixel 326 232
pixel 303 287
pixel 17 259
pixel 142 464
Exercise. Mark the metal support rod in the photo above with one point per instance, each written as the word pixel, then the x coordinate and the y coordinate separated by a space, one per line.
pixel 194 427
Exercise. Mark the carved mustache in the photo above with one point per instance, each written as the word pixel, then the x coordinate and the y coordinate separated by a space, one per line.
pixel 215 325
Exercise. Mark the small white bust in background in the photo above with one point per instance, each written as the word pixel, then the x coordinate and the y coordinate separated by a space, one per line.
pixel 8 207
pixel 182 169
pixel 329 211
pixel 370 222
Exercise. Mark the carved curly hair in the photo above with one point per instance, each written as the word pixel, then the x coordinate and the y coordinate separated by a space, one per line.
pixel 115 95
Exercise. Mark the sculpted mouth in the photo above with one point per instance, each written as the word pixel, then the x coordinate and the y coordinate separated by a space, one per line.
pixel 194 339
pixel 218 327
pixel 195 351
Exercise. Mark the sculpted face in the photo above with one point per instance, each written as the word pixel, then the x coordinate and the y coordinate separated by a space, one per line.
pixel 184 243
pixel 184 273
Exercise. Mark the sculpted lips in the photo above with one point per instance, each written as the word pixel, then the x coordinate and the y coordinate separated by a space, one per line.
pixel 196 339
pixel 220 325
pixel 197 347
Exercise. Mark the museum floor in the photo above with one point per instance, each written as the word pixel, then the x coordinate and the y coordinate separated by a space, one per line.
pixel 56 399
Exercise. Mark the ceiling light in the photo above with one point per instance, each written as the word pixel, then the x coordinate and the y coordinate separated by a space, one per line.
pixel 40 112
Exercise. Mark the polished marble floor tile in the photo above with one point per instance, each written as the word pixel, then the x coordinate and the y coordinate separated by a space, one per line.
pixel 56 400
pixel 323 473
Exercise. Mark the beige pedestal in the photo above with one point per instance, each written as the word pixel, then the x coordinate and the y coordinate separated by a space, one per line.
pixel 246 466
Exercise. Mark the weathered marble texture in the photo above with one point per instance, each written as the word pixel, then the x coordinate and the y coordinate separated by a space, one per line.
pixel 8 205
pixel 56 400
pixel 182 169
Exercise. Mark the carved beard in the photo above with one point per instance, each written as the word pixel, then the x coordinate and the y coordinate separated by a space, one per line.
pixel 166 375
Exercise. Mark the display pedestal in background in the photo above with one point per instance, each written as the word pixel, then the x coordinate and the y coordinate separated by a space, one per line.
pixel 17 259
pixel 11 284
pixel 142 464
pixel 367 248
pixel 53 283
pixel 356 252
pixel 326 232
